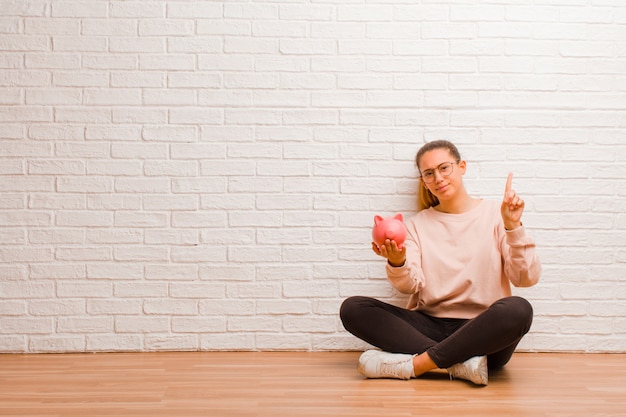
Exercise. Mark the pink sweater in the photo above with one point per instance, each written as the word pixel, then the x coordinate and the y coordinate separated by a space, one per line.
pixel 459 264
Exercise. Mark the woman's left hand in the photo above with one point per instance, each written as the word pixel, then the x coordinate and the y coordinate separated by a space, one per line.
pixel 512 206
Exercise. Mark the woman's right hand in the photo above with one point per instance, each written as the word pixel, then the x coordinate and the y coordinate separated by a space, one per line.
pixel 395 256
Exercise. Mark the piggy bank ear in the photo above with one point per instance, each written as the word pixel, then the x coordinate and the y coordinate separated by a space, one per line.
pixel 377 219
pixel 399 217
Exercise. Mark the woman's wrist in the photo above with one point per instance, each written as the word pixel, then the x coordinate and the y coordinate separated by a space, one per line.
pixel 509 227
pixel 394 265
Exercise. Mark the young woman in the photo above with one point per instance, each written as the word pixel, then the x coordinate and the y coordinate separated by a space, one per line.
pixel 459 260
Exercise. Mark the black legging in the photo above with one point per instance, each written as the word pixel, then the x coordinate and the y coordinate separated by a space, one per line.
pixel 495 332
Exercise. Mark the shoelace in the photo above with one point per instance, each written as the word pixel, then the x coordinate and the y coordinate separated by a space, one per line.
pixel 461 372
pixel 392 369
pixel 464 371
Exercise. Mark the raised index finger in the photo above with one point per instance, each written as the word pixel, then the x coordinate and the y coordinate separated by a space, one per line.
pixel 509 182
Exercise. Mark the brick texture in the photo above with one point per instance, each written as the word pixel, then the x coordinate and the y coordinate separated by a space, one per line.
pixel 203 175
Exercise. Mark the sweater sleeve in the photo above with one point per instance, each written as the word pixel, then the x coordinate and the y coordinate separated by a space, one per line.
pixel 521 263
pixel 408 278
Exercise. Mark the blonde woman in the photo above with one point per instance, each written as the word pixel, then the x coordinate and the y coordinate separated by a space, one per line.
pixel 460 258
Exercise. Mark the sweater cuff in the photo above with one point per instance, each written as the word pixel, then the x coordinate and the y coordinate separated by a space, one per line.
pixel 516 235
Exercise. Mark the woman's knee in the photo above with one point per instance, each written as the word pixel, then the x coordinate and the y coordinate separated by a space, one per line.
pixel 357 311
pixel 522 307
pixel 519 311
pixel 350 308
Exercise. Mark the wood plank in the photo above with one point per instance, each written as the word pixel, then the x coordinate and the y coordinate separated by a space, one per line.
pixel 292 384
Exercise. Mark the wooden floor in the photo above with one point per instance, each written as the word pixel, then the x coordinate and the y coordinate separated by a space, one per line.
pixel 299 384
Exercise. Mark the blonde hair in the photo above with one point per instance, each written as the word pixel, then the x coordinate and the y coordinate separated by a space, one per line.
pixel 426 199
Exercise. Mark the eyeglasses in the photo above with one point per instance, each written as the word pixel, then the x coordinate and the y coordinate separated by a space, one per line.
pixel 444 169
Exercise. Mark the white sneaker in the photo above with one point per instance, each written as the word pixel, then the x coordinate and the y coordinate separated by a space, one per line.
pixel 377 364
pixel 474 370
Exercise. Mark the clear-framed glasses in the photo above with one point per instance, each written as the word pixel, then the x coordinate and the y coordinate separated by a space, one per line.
pixel 445 169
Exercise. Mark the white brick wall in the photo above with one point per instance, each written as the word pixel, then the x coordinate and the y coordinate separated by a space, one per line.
pixel 184 175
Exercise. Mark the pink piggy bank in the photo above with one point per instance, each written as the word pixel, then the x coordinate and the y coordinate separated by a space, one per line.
pixel 391 228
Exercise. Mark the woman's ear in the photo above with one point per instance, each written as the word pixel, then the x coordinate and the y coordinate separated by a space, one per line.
pixel 462 166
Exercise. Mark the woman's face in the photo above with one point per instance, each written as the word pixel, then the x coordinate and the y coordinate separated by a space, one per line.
pixel 441 173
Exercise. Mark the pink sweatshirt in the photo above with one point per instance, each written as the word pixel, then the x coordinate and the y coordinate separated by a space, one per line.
pixel 459 264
